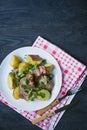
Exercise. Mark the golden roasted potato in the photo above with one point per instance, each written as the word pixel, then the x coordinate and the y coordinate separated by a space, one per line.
pixel 36 62
pixel 10 81
pixel 49 67
pixel 16 93
pixel 32 61
pixel 23 66
pixel 14 61
pixel 28 59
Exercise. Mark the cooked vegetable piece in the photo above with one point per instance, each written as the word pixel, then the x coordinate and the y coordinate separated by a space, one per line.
pixel 14 61
pixel 49 67
pixel 10 81
pixel 23 66
pixel 32 61
pixel 16 93
pixel 43 95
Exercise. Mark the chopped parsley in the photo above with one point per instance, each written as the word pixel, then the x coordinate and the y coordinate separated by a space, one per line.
pixel 32 68
pixel 17 82
pixel 26 88
pixel 41 94
pixel 44 62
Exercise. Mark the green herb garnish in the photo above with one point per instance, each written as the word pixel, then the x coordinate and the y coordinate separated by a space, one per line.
pixel 20 74
pixel 32 68
pixel 36 89
pixel 41 94
pixel 33 96
pixel 17 82
pixel 44 62
pixel 26 88
pixel 26 81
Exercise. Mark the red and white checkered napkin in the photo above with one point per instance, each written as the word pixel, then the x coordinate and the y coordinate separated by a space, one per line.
pixel 74 74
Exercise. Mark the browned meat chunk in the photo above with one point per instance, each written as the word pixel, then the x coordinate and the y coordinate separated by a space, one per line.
pixel 41 70
pixel 23 81
pixel 15 70
pixel 23 94
pixel 35 57
pixel 30 78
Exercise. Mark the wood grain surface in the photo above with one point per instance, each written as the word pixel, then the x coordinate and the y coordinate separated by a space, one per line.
pixel 64 23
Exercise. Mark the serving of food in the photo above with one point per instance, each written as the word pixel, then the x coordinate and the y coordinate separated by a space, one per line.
pixel 30 78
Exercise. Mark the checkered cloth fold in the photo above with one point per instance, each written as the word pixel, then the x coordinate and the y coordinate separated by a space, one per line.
pixel 74 74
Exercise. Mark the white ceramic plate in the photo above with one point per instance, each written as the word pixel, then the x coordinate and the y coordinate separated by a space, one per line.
pixel 6 68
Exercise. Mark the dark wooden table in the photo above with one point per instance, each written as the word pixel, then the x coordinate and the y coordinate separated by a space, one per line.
pixel 62 22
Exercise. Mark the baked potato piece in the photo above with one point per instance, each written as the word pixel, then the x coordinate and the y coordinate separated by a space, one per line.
pixel 43 95
pixel 16 93
pixel 23 66
pixel 30 59
pixel 49 67
pixel 14 61
pixel 11 81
